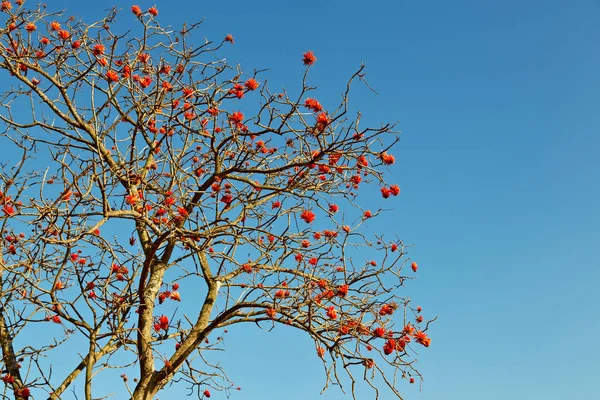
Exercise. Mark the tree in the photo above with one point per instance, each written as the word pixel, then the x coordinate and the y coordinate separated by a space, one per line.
pixel 146 165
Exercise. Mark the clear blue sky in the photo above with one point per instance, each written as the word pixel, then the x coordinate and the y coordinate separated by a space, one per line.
pixel 499 104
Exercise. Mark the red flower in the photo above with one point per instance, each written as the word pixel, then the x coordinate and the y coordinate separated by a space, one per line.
pixel 24 393
pixel 98 49
pixel 8 379
pixel 385 192
pixel 76 44
pixel 394 247
pixel 236 118
pixel 227 199
pixel 145 81
pixel 6 6
pixel 379 331
pixel 30 27
pixel 368 214
pixel 207 393
pixel 419 319
pixel 175 286
pixel 343 291
pixel 309 58
pixel 229 38
pixel 313 261
pixel 412 380
pixel 313 104
pixel 56 319
pixel 308 216
pixel 144 57
pixel 389 346
pixel 163 320
pixel 271 313
pixel 112 76
pixel 8 209
pixel 395 190
pixel 419 309
pixel 331 312
pixel 414 266
pixel 45 41
pixel 387 159
pixel 252 84
pixel 322 121
pixel 387 309
pixel 247 268
pixel 153 11
pixel 275 204
pixel 136 10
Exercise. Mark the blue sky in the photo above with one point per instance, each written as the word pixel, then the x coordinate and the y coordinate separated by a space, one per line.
pixel 499 104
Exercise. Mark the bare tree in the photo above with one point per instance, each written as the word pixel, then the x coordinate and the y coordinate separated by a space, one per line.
pixel 141 165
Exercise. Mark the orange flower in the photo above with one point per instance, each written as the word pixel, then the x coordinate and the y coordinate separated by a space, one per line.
pixel 64 35
pixel 229 38
pixel 368 214
pixel 55 26
pixel 422 338
pixel 236 118
pixel 153 11
pixel 112 76
pixel 136 10
pixel 252 84
pixel 395 190
pixel 414 266
pixel 320 351
pixel 309 58
pixel 98 49
pixel 30 27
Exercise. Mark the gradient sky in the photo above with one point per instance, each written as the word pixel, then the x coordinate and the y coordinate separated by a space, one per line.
pixel 499 105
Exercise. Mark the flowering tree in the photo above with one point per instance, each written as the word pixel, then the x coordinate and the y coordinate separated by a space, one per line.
pixel 157 196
